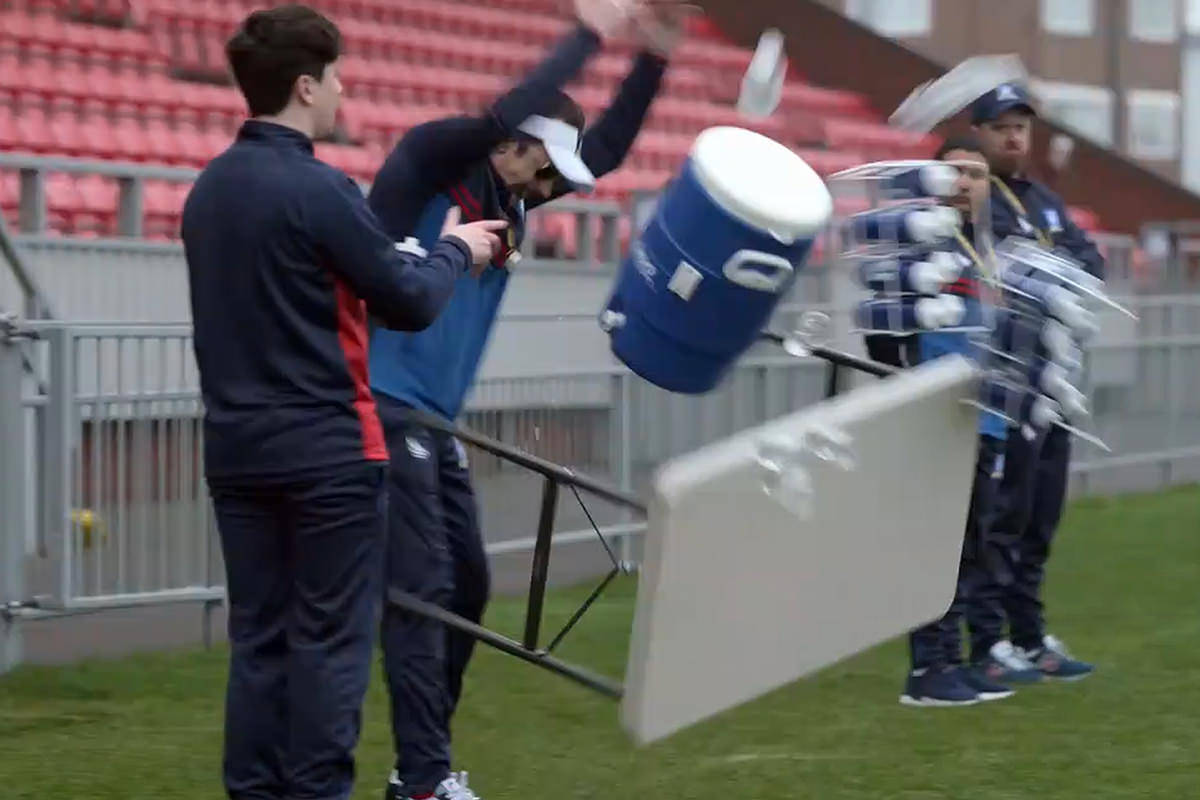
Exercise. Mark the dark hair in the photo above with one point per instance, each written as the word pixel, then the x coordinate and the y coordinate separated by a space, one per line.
pixel 565 108
pixel 273 47
pixel 960 142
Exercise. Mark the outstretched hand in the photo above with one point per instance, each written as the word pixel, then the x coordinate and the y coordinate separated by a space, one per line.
pixel 481 237
pixel 607 18
pixel 658 25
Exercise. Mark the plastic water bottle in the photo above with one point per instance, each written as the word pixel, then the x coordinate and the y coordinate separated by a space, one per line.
pixel 1054 381
pixel 1054 300
pixel 1026 337
pixel 925 277
pixel 1020 403
pixel 907 224
pixel 909 315
pixel 929 180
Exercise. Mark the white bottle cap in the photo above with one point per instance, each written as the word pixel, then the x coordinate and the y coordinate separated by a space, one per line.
pixel 926 277
pixel 929 225
pixel 953 310
pixel 948 264
pixel 1045 412
pixel 1064 306
pixel 1054 380
pixel 938 179
pixel 1058 342
pixel 1073 403
pixel 928 311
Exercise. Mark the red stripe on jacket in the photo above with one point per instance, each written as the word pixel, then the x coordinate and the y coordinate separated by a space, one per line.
pixel 352 335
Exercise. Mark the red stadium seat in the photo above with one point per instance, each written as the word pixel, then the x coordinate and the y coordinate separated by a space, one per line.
pixel 827 162
pixel 63 202
pixel 102 141
pixel 164 145
pixel 99 91
pixel 97 204
pixel 10 195
pixel 1085 218
pixel 162 205
pixel 876 140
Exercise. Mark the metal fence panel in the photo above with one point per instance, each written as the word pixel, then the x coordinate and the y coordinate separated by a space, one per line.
pixel 120 506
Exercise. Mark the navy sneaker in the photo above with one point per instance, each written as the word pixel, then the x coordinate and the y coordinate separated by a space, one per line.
pixel 987 690
pixel 937 687
pixel 1006 664
pixel 1053 661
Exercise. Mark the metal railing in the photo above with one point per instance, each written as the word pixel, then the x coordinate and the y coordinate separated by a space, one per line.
pixel 117 512
pixel 596 224
pixel 88 275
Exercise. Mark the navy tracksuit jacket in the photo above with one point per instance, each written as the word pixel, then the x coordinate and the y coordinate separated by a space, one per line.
pixel 284 259
pixel 435 546
pixel 1033 490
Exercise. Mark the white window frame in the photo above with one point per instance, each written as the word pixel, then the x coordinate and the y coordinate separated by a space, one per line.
pixel 1050 94
pixel 1157 101
pixel 1146 26
pixel 914 18
pixel 1191 16
pixel 1068 17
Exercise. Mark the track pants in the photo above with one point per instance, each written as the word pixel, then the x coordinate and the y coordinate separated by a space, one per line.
pixel 436 552
pixel 303 566
pixel 1029 506
pixel 940 642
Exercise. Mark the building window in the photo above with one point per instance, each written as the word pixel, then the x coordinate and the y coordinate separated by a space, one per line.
pixel 1153 124
pixel 1154 20
pixel 1192 16
pixel 899 18
pixel 1069 17
pixel 1087 110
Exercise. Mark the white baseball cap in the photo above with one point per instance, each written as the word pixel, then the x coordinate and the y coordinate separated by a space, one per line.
pixel 562 141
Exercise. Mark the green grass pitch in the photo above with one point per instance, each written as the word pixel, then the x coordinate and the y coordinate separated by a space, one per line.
pixel 1123 591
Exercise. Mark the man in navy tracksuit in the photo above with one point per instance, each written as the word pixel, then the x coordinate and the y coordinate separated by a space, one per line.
pixel 937 675
pixel 1033 491
pixel 527 149
pixel 284 258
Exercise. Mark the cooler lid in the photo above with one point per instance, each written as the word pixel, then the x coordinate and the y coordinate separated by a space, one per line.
pixel 761 182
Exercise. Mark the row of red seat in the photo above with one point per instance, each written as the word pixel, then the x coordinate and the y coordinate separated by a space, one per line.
pixel 370 36
pixel 86 205
pixel 71 41
pixel 99 137
pixel 105 11
pixel 154 141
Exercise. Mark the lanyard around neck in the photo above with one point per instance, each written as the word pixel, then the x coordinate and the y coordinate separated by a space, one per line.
pixel 1018 207
pixel 984 267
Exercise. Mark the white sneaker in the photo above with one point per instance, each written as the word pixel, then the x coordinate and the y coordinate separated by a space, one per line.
pixel 455 788
pixel 395 787
pixel 1010 657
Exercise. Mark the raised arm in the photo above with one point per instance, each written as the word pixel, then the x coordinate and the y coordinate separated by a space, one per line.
pixel 443 146
pixel 605 145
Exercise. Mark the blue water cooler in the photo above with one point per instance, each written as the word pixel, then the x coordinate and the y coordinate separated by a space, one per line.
pixel 725 243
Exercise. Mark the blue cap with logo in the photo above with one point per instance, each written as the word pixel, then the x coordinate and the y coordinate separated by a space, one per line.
pixel 1005 97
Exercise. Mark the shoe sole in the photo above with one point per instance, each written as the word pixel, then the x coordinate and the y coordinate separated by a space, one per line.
pixel 988 697
pixel 929 702
pixel 1066 678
